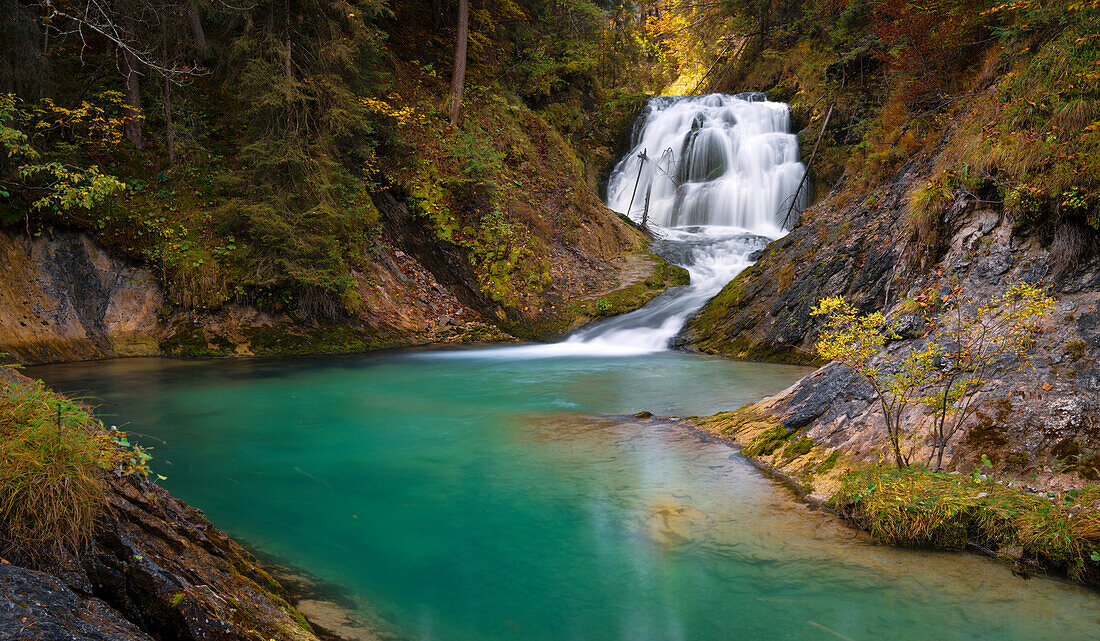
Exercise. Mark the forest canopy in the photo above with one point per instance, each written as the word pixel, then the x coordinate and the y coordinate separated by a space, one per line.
pixel 237 150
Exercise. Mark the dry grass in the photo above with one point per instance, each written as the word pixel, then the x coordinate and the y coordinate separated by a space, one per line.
pixel 54 457
pixel 919 508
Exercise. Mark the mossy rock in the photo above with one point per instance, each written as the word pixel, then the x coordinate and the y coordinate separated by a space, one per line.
pixel 768 442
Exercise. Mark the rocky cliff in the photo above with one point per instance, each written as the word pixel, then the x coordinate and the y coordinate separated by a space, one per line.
pixel 156 569
pixel 1038 423
pixel 65 298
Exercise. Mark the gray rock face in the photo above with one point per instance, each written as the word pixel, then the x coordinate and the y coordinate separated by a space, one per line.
pixel 820 393
pixel 38 607
pixel 1039 422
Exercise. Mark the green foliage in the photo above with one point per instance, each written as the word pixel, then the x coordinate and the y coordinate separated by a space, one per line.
pixel 50 184
pixel 302 112
pixel 965 347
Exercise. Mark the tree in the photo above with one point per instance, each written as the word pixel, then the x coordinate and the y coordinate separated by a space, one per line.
pixel 198 34
pixel 47 184
pixel 858 342
pixel 971 348
pixel 458 76
pixel 964 349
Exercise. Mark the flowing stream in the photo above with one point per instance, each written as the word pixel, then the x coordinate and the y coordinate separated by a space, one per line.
pixel 506 494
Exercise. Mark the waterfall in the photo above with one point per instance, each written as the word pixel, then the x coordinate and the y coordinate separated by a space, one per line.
pixel 715 160
pixel 719 173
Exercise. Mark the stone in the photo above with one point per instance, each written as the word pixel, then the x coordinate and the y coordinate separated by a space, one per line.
pixel 38 607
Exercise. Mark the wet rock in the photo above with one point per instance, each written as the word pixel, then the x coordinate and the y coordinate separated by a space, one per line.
pixel 160 563
pixel 818 392
pixel 38 607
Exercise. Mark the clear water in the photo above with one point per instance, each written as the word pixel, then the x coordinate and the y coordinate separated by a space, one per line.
pixel 464 497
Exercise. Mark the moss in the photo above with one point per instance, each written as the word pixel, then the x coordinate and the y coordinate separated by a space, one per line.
pixel 829 462
pixel 744 348
pixel 1066 450
pixel 1017 461
pixel 736 421
pixel 988 432
pixel 1076 350
pixel 620 301
pixel 1089 466
pixel 326 339
pixel 768 442
pixel 300 620
pixel 189 341
pixel 798 448
pixel 708 321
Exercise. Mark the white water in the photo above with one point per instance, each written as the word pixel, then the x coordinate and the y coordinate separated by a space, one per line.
pixel 721 172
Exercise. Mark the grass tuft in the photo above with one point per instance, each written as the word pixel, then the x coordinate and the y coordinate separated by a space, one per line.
pixel 920 508
pixel 54 460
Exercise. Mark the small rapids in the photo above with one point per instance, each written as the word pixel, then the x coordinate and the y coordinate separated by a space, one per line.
pixel 719 174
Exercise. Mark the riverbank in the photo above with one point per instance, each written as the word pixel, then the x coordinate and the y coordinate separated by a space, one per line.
pixel 68 299
pixel 338 466
pixel 1038 529
pixel 90 545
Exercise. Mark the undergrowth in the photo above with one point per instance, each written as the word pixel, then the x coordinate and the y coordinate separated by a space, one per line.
pixel 920 508
pixel 55 458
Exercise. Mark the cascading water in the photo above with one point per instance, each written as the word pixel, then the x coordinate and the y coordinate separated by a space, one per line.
pixel 719 173
pixel 716 160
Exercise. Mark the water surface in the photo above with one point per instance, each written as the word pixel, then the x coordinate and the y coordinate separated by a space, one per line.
pixel 464 497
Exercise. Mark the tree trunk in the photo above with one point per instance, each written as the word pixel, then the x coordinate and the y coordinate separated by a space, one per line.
pixel 169 128
pixel 459 76
pixel 132 125
pixel 194 17
pixel 288 67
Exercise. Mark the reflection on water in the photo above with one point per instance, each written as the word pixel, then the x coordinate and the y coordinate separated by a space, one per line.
pixel 488 499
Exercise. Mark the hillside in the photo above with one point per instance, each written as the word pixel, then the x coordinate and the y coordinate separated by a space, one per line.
pixel 267 184
pixel 959 158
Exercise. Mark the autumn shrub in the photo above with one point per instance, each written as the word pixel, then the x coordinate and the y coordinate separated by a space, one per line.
pixel 966 345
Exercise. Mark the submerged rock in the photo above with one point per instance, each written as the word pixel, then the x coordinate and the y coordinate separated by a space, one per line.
pixel 671 525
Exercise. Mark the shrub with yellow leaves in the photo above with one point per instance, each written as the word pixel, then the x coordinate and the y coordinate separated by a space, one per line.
pixel 963 350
